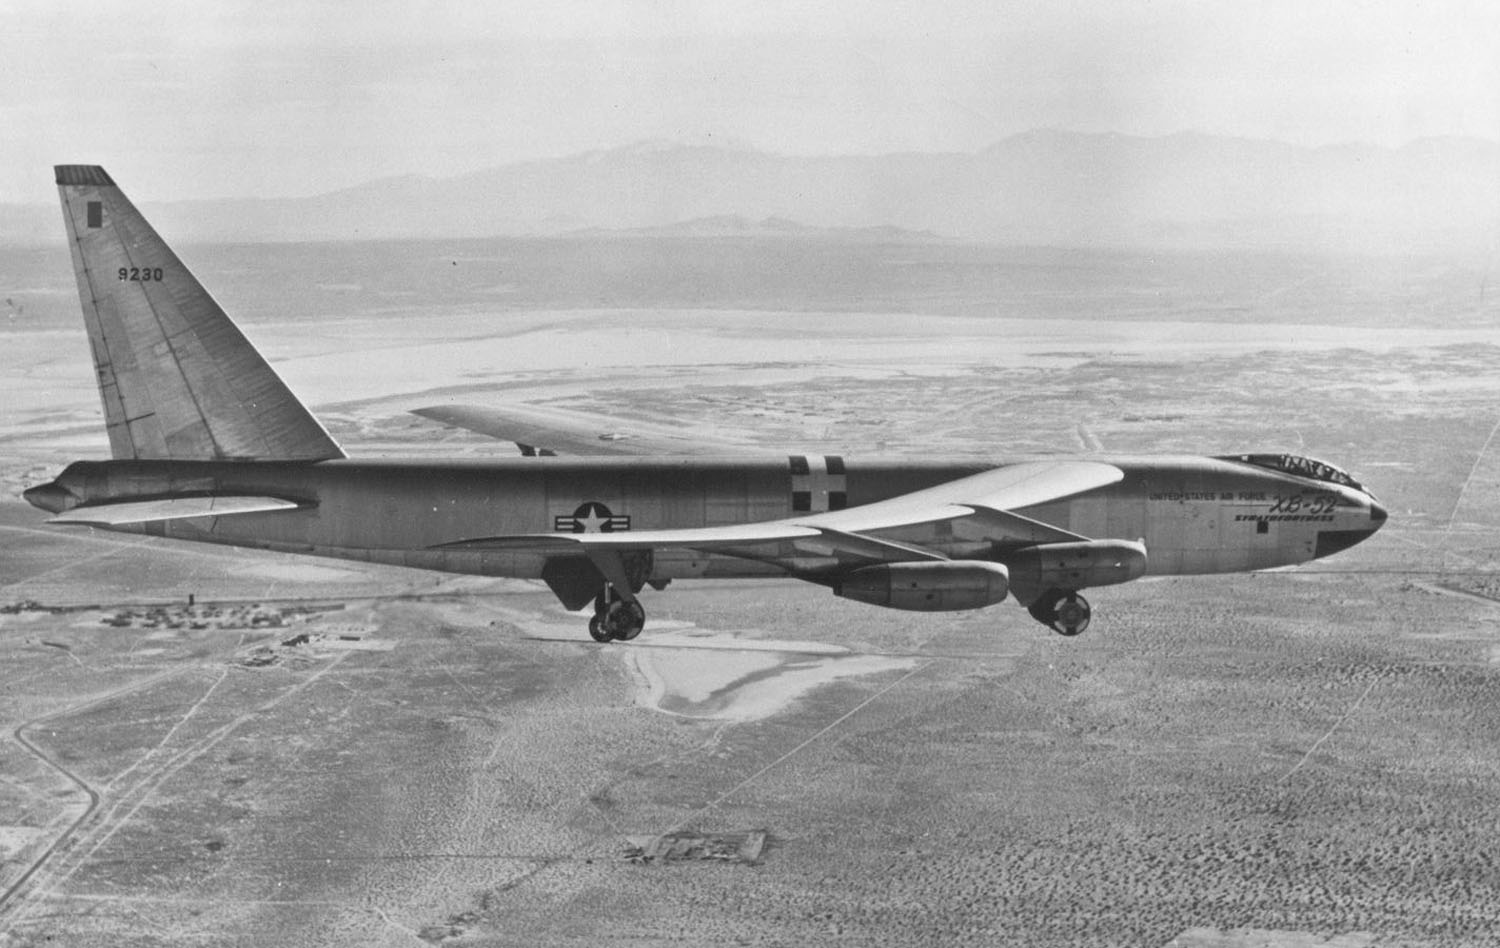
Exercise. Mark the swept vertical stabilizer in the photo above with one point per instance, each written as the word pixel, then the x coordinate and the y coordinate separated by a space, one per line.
pixel 178 379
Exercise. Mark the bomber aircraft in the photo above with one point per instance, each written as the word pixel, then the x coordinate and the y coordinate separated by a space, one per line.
pixel 209 445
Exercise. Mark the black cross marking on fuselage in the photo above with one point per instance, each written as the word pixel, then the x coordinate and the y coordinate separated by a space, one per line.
pixel 818 483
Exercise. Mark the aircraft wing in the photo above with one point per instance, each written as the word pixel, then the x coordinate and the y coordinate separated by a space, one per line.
pixel 979 510
pixel 536 429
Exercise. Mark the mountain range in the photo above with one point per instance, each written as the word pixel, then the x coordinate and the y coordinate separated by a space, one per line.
pixel 1046 187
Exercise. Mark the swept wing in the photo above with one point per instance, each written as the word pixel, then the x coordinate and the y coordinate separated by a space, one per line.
pixel 978 509
pixel 536 429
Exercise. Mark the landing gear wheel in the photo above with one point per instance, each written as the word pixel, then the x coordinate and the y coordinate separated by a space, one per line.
pixel 614 618
pixel 1073 614
pixel 627 619
pixel 1066 613
pixel 596 629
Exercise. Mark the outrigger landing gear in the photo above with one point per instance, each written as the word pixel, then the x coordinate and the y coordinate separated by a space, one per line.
pixel 614 618
pixel 1064 610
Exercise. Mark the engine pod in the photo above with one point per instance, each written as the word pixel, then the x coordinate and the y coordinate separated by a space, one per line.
pixel 940 586
pixel 1081 565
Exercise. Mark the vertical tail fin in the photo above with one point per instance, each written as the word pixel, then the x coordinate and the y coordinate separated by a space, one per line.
pixel 177 377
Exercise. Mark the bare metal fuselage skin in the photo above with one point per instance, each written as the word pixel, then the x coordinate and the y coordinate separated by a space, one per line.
pixel 1194 514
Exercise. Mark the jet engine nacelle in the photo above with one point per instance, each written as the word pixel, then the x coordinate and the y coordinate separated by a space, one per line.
pixel 1075 565
pixel 939 586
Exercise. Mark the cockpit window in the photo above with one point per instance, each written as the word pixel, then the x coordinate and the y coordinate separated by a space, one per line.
pixel 1302 467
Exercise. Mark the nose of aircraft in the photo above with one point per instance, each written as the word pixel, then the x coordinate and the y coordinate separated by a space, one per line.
pixel 1332 541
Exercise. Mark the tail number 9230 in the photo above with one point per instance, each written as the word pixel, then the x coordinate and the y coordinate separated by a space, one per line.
pixel 139 274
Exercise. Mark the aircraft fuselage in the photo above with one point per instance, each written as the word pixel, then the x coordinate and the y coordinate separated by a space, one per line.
pixel 1193 514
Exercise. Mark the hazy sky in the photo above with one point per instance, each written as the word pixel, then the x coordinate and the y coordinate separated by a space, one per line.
pixel 186 98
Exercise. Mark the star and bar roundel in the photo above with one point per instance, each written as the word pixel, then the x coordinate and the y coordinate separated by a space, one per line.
pixel 591 517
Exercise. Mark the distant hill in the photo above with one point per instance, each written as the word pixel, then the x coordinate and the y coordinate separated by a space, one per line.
pixel 1055 188
pixel 735 225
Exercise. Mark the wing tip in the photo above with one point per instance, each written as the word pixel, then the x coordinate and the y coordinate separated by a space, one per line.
pixel 83 175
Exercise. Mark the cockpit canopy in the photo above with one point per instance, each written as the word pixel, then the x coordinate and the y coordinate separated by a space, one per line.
pixel 1300 466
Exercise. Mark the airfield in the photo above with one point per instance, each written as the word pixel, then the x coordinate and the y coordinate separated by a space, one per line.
pixel 319 752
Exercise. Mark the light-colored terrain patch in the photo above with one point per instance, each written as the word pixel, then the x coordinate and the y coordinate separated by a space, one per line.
pixel 718 677
pixel 300 572
pixel 685 635
pixel 14 839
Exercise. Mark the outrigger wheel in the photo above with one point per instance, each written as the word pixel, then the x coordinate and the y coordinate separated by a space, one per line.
pixel 614 618
pixel 1065 611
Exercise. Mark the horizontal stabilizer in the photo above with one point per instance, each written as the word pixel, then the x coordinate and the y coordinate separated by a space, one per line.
pixel 170 508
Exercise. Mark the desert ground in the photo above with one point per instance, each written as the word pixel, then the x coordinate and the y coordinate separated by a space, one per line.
pixel 227 747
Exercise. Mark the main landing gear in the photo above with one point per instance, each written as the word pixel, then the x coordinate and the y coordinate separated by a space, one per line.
pixel 1064 610
pixel 614 618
